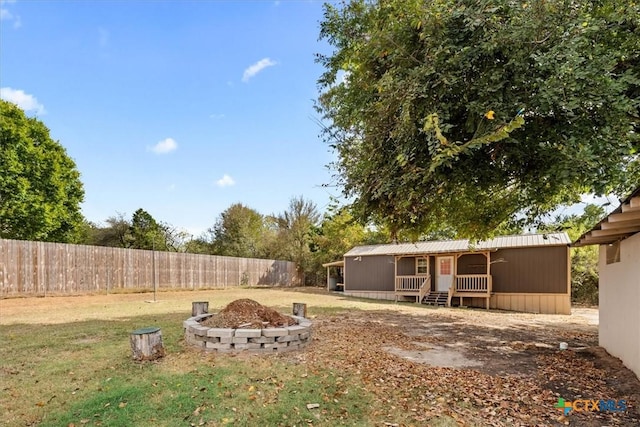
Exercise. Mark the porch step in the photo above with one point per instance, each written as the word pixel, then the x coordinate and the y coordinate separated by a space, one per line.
pixel 436 298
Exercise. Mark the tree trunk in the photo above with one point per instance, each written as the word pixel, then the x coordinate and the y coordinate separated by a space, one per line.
pixel 300 309
pixel 146 344
pixel 199 307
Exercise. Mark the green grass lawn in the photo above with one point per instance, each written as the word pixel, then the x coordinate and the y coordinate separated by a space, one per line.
pixel 80 372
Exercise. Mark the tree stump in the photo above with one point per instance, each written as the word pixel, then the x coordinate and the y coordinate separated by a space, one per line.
pixel 199 307
pixel 146 344
pixel 300 309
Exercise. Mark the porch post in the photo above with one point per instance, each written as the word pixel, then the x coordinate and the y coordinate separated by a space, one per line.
pixel 429 270
pixel 487 255
pixel 455 274
pixel 328 278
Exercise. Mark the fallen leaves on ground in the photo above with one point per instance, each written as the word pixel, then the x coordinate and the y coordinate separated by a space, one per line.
pixel 423 393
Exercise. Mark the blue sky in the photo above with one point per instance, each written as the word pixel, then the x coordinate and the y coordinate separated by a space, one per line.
pixel 177 107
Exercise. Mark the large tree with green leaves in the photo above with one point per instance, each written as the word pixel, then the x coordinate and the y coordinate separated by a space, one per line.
pixel 239 231
pixel 339 232
pixel 584 260
pixel 40 187
pixel 470 114
pixel 296 228
pixel 147 233
pixel 116 232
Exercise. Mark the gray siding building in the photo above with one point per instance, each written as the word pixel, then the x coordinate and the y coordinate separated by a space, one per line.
pixel 522 273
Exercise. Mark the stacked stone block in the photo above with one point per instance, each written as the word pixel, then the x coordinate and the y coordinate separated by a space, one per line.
pixel 267 340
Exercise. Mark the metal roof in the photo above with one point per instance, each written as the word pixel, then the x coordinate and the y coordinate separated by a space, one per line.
pixel 623 222
pixel 446 246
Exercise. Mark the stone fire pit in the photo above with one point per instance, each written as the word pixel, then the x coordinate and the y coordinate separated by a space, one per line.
pixel 253 327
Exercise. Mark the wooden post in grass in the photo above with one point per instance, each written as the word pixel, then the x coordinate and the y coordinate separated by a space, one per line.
pixel 199 307
pixel 300 309
pixel 146 344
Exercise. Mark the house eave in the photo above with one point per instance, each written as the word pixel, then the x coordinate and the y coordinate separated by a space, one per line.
pixel 620 224
pixel 334 264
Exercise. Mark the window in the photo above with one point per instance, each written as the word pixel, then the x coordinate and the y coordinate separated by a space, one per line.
pixel 445 266
pixel 422 266
pixel 613 252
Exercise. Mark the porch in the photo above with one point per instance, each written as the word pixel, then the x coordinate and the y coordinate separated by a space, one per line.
pixel 417 286
pixel 440 276
pixel 335 275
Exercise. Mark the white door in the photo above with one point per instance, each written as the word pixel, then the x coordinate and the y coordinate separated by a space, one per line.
pixel 444 273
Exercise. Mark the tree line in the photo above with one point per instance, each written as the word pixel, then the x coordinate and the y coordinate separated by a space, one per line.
pixel 299 234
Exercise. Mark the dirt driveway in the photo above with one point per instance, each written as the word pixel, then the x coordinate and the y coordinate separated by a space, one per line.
pixel 478 367
pixel 496 343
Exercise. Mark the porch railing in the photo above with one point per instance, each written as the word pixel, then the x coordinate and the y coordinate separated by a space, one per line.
pixel 410 283
pixel 473 283
pixel 425 288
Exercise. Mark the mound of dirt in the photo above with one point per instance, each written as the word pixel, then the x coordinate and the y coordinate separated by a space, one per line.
pixel 248 314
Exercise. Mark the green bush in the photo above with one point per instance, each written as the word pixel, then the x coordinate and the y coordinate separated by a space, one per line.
pixel 584 275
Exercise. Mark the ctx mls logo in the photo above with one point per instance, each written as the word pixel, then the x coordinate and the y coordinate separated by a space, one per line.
pixel 589 405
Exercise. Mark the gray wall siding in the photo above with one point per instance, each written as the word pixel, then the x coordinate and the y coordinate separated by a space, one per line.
pixel 372 273
pixel 407 266
pixel 534 270
pixel 524 270
pixel 472 264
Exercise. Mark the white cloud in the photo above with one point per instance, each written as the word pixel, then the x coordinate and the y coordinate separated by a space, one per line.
pixel 6 15
pixel 171 187
pixel 254 69
pixel 165 146
pixel 216 116
pixel 23 100
pixel 225 181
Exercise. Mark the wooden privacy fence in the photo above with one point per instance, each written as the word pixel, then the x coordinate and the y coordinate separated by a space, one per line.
pixel 41 268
